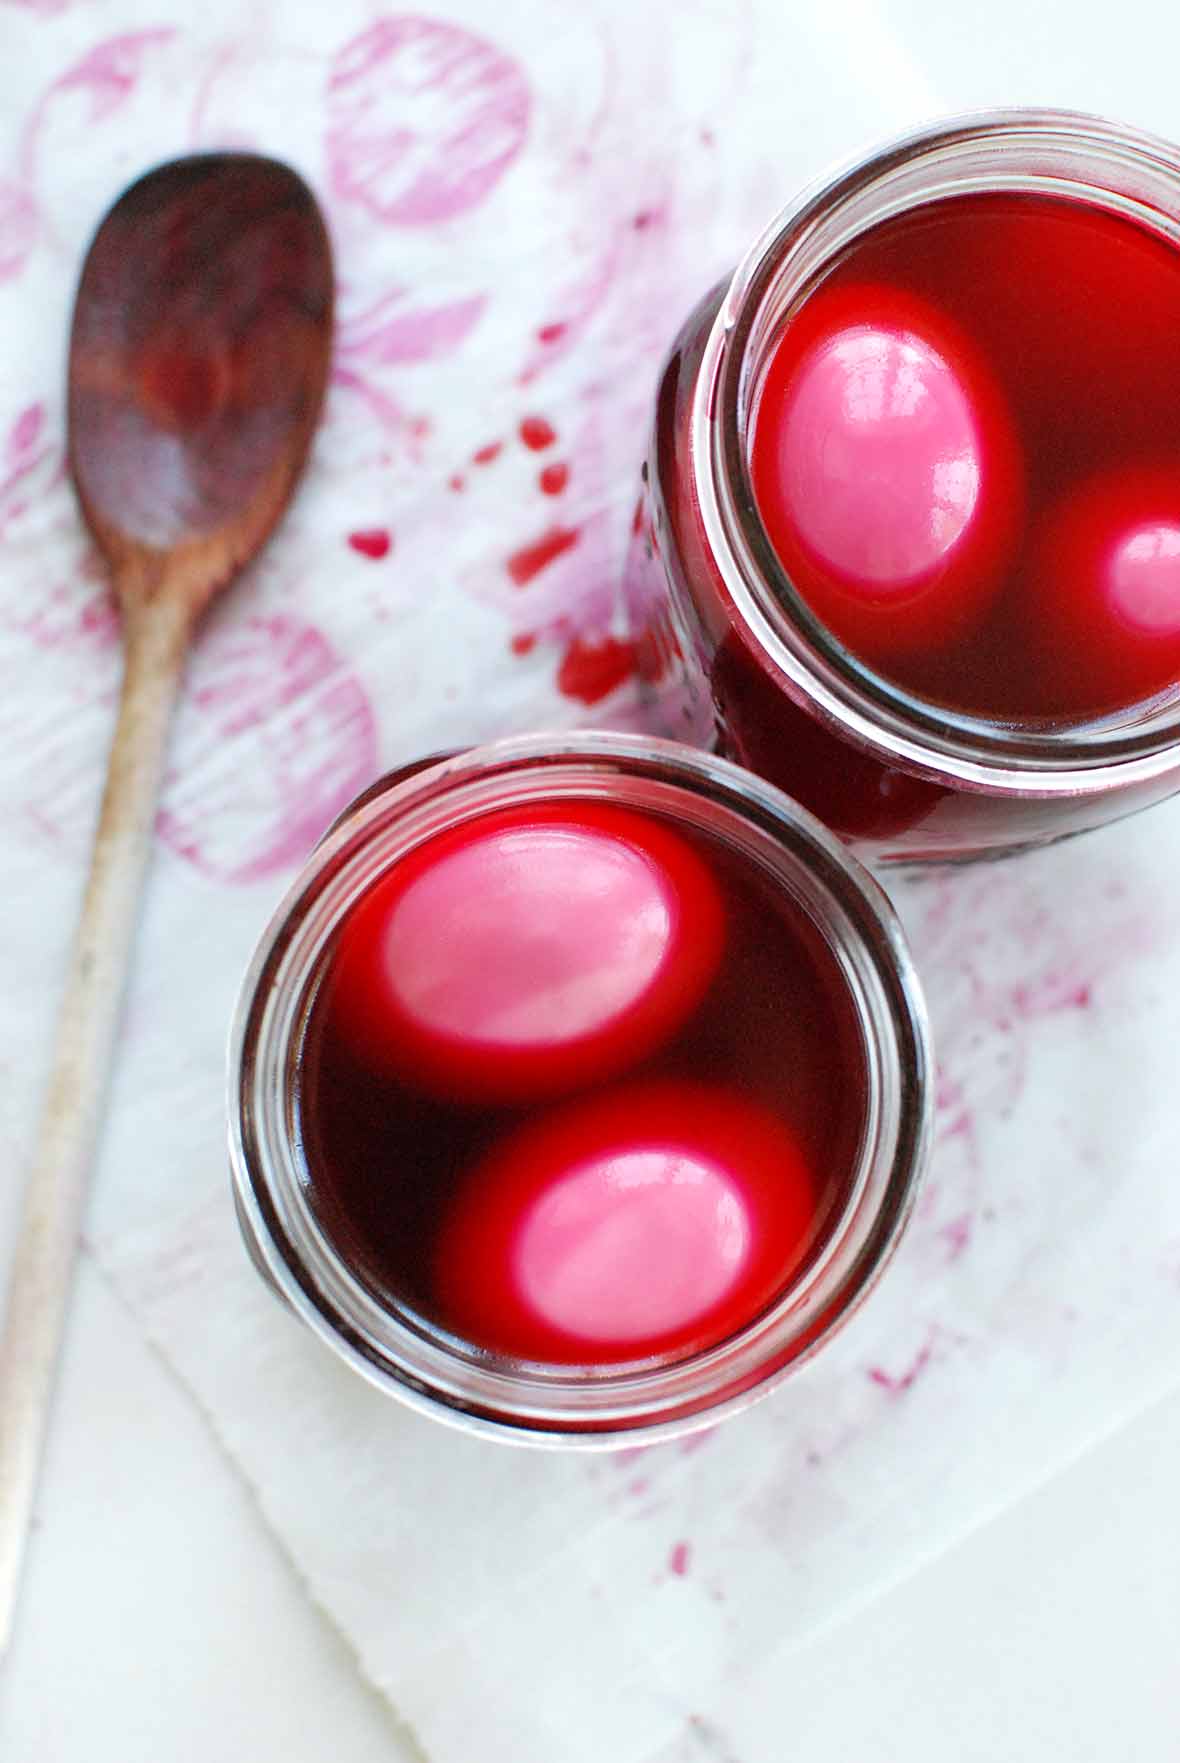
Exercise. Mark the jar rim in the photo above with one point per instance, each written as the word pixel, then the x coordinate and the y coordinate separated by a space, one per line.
pixel 970 752
pixel 537 1404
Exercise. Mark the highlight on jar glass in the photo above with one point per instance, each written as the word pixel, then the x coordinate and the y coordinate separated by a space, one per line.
pixel 910 541
pixel 579 1088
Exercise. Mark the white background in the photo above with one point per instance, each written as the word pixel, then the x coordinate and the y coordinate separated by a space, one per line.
pixel 165 1617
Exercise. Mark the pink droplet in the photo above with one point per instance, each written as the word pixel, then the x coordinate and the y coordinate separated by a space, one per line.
pixel 373 542
pixel 424 118
pixel 530 560
pixel 591 670
pixel 580 299
pixel 537 433
pixel 898 1382
pixel 25 431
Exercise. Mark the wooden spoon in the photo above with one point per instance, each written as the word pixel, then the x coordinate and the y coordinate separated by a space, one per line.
pixel 201 339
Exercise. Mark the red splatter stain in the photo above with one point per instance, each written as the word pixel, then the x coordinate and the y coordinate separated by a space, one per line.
pixel 1052 993
pixel 389 333
pixel 485 455
pixel 537 434
pixel 678 1560
pixel 423 119
pixel 58 621
pixel 18 228
pixel 553 479
pixel 374 543
pixel 24 450
pixel 708 138
pixel 580 299
pixel 551 333
pixel 386 409
pixel 30 464
pixel 100 618
pixel 961 1127
pixel 637 519
pixel 530 560
pixel 897 1383
pixel 947 1092
pixel 592 671
pixel 647 217
pixel 523 643
pixel 457 481
pixel 275 737
pixel 956 1235
pixel 25 431
pixel 108 73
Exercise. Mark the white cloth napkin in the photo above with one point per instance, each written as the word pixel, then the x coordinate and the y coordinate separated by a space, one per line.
pixel 525 200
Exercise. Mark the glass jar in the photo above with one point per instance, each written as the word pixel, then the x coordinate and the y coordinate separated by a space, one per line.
pixel 433 1370
pixel 734 658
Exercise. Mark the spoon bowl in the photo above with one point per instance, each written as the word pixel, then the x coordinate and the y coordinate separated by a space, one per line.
pixel 198 359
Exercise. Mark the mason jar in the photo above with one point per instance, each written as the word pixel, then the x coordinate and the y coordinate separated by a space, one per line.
pixel 310 1256
pixel 732 655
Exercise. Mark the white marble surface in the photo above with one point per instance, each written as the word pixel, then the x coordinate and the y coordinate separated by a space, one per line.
pixel 163 1621
pixel 167 1612
pixel 161 1618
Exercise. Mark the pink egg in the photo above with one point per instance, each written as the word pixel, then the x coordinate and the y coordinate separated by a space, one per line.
pixel 1103 592
pixel 886 470
pixel 528 951
pixel 652 1220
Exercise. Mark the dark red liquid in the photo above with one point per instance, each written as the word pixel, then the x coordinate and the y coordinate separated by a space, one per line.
pixel 966 451
pixel 579 1086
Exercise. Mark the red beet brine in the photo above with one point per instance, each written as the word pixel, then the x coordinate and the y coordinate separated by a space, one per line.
pixel 579 1086
pixel 965 450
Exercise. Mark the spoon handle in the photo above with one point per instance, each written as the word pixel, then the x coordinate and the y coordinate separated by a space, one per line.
pixel 157 633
